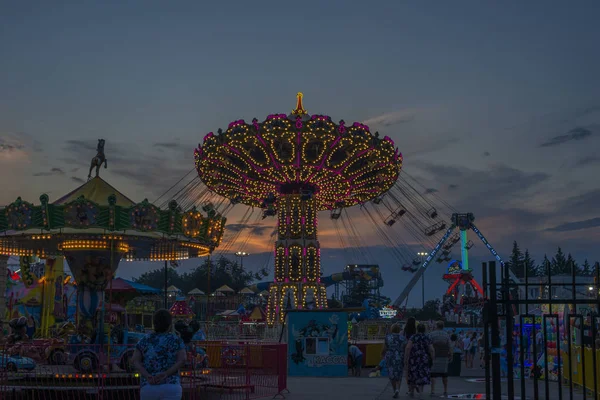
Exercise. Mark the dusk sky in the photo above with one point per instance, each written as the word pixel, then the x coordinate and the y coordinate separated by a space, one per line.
pixel 496 105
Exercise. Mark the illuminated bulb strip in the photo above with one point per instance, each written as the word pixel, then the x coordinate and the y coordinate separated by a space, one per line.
pixel 93 245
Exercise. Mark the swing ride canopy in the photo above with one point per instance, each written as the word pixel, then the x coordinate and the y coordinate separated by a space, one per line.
pixel 341 165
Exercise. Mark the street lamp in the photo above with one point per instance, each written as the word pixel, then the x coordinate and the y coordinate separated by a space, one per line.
pixel 241 255
pixel 422 254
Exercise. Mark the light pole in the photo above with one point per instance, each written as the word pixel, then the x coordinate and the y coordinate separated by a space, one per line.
pixel 422 254
pixel 241 255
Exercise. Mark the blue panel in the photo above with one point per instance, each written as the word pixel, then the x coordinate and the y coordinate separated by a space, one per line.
pixel 317 343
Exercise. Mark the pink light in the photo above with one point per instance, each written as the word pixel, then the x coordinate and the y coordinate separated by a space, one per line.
pixel 304 251
pixel 303 219
pixel 287 280
pixel 287 251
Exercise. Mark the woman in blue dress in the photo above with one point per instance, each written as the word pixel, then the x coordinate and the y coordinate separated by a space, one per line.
pixel 393 354
pixel 158 357
pixel 419 356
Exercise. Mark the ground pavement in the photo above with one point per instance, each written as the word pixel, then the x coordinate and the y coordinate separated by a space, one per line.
pixel 364 388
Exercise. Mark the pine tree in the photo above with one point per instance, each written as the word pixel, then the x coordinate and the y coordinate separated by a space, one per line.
pixel 586 269
pixel 529 264
pixel 559 264
pixel 516 261
pixel 545 267
pixel 572 264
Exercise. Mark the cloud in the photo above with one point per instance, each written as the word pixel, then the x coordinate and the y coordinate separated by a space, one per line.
pixel 574 134
pixel 487 154
pixel 248 228
pixel 498 186
pixel 81 146
pixel 77 180
pixel 16 147
pixel 149 164
pixel 581 203
pixel 53 171
pixel 587 161
pixel 172 145
pixel 577 225
pixel 392 118
pixel 431 190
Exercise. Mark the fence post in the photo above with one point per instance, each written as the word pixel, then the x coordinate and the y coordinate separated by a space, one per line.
pixel 493 314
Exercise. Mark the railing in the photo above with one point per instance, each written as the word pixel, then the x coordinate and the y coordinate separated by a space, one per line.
pixel 214 370
pixel 241 331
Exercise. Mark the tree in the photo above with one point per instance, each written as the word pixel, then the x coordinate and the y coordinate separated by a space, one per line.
pixel 559 264
pixel 223 272
pixel 572 265
pixel 529 264
pixel 516 261
pixel 545 267
pixel 586 269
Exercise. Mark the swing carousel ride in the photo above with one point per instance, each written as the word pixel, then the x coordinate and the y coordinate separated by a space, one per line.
pixel 294 166
pixel 94 227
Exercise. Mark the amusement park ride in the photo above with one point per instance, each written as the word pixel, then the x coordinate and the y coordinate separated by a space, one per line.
pixel 458 273
pixel 294 166
pixel 94 227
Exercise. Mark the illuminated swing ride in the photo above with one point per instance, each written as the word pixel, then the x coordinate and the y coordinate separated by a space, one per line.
pixel 294 166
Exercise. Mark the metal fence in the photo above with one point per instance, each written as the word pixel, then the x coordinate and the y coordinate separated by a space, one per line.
pixel 551 340
pixel 241 331
pixel 214 370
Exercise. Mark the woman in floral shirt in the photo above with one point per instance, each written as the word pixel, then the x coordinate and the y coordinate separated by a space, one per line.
pixel 158 357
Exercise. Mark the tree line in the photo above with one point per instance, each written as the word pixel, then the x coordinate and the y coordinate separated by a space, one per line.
pixel 222 272
pixel 521 264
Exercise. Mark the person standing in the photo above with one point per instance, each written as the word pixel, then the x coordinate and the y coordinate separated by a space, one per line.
pixel 393 354
pixel 158 357
pixel 443 354
pixel 356 358
pixel 466 345
pixel 418 358
pixel 410 328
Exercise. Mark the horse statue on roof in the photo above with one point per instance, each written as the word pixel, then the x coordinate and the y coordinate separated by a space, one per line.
pixel 99 159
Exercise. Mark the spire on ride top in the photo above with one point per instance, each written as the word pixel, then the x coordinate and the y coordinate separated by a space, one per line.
pixel 299 110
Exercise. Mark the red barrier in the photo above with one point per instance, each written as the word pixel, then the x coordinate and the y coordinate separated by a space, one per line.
pixel 214 370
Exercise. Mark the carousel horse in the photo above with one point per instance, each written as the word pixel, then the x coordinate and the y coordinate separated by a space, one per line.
pixel 99 159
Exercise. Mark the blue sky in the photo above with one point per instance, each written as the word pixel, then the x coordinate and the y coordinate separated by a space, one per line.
pixel 494 104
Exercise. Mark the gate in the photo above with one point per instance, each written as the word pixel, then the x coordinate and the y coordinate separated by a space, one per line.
pixel 545 346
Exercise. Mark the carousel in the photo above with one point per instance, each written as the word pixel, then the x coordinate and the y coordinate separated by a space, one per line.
pixel 94 228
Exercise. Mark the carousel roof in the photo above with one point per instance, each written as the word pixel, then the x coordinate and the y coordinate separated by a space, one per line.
pixel 96 190
pixel 196 291
pixel 173 288
pixel 96 216
pixel 246 291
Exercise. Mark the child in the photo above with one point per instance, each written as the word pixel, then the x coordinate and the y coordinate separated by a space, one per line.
pixel 379 370
pixel 356 357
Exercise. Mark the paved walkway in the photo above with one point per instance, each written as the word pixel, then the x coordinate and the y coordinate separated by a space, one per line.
pixel 378 388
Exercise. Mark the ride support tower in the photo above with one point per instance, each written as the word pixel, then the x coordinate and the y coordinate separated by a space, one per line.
pixel 293 166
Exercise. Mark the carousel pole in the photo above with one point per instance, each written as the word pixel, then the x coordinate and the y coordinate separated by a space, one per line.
pixel 208 273
pixel 166 283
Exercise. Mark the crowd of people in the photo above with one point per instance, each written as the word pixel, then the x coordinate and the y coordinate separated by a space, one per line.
pixel 423 357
